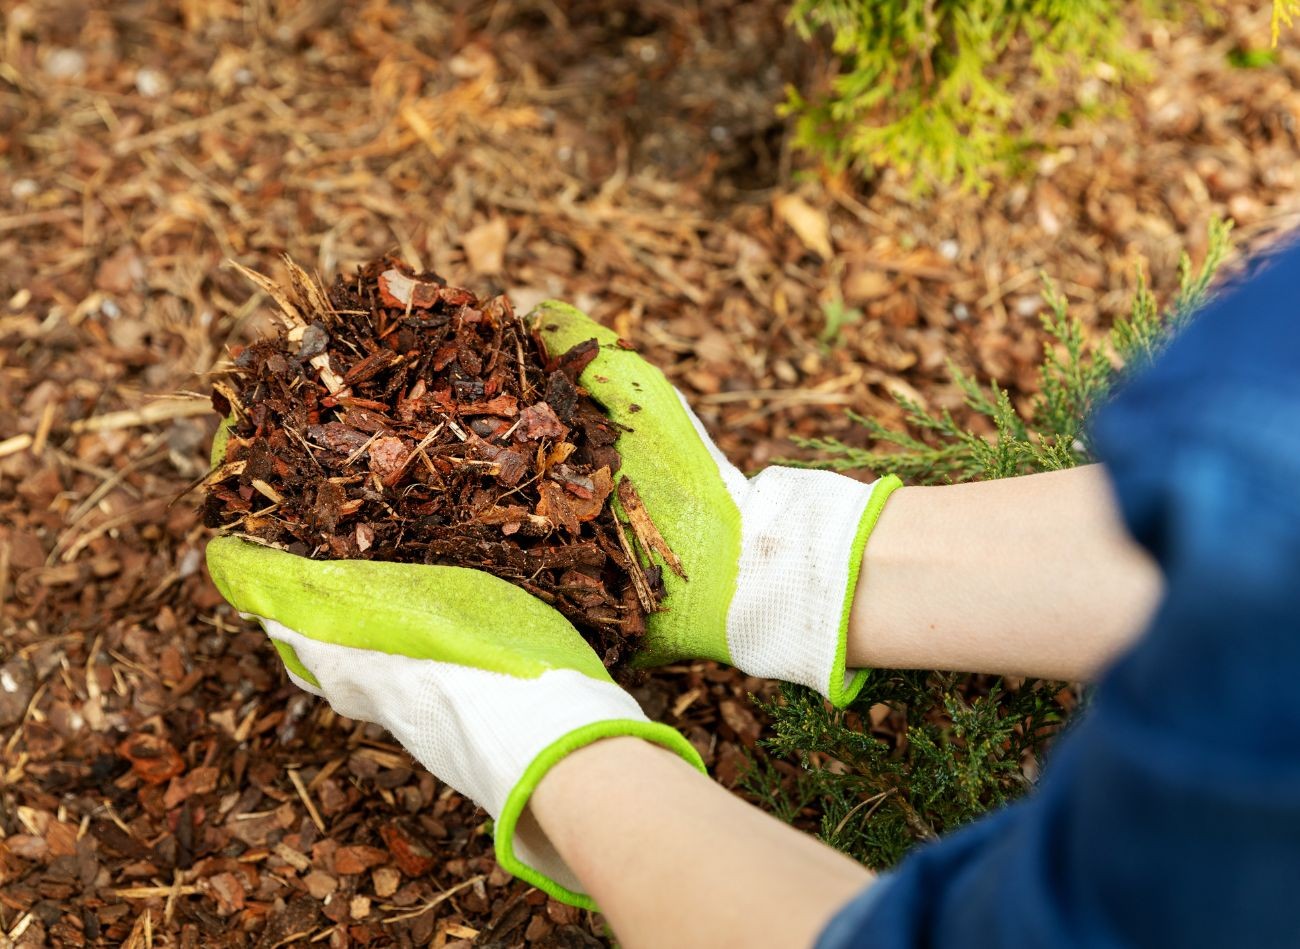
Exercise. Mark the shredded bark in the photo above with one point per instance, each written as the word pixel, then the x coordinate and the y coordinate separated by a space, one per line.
pixel 398 418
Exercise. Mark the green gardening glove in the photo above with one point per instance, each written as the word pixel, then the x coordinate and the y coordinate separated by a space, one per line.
pixel 485 685
pixel 771 562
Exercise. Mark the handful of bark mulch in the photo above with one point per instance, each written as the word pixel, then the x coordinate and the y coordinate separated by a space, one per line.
pixel 397 418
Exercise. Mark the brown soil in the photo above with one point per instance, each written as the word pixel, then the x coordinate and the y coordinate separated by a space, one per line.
pixel 396 418
pixel 160 780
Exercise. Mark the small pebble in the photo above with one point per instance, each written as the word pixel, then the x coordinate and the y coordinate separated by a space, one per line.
pixel 65 64
pixel 949 249
pixel 1028 306
pixel 189 564
pixel 24 188
pixel 961 312
pixel 150 83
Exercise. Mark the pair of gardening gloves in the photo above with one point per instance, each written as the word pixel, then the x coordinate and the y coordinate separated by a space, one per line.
pixel 488 687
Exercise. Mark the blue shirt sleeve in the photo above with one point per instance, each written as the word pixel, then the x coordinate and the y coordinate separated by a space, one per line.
pixel 1169 814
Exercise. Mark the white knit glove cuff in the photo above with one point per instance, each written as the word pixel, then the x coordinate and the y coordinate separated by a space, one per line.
pixel 802 537
pixel 802 534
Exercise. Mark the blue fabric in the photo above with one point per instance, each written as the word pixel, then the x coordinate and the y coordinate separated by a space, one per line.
pixel 1170 814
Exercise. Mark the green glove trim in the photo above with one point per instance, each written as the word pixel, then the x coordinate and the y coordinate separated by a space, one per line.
pixel 838 690
pixel 291 662
pixel 677 479
pixel 220 438
pixel 424 612
pixel 518 798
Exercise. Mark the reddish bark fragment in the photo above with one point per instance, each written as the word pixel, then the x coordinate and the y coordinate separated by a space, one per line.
pixel 510 464
pixel 338 437
pixel 152 758
pixel 577 358
pixel 577 484
pixel 358 859
pixel 557 505
pixel 413 859
pixel 388 456
pixel 365 535
pixel 539 421
pixel 228 891
pixel 399 289
pixel 196 781
pixel 506 405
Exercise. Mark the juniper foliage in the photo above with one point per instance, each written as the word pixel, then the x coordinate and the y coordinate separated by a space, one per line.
pixel 937 88
pixel 1284 14
pixel 1074 376
pixel 956 745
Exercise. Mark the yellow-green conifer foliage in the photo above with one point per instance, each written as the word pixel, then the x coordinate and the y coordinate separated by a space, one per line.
pixel 936 89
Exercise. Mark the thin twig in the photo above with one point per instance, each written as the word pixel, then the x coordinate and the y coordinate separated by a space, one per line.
pixel 163 410
pixel 875 799
pixel 306 800
pixel 440 898
pixel 351 459
pixel 12 446
pixel 639 581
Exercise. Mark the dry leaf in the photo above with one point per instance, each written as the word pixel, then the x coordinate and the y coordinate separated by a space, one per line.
pixel 485 246
pixel 866 284
pixel 810 224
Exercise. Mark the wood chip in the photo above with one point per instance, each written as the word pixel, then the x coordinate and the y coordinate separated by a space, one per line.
pixel 644 528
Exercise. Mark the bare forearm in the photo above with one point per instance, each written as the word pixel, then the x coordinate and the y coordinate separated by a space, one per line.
pixel 673 859
pixel 1026 576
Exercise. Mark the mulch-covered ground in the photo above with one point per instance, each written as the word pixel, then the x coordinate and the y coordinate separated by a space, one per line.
pixel 160 781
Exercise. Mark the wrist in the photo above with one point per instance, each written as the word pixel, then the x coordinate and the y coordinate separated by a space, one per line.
pixel 570 782
pixel 595 785
pixel 571 775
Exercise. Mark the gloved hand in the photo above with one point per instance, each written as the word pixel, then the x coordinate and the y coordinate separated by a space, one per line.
pixel 485 685
pixel 771 563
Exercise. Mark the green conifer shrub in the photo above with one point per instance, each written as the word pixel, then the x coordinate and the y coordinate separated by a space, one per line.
pixel 963 744
pixel 937 88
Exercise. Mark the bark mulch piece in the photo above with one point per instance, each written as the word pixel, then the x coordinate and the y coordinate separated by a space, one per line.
pixel 397 418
